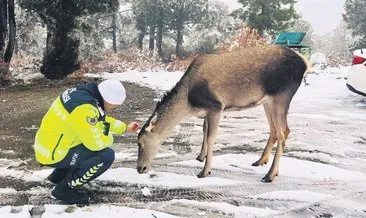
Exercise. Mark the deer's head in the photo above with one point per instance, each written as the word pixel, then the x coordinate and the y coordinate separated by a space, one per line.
pixel 148 144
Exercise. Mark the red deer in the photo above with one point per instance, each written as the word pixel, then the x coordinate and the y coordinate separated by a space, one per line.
pixel 214 83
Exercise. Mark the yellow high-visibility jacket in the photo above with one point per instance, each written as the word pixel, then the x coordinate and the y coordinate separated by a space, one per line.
pixel 75 117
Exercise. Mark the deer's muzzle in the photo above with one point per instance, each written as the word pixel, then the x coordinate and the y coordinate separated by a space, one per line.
pixel 141 169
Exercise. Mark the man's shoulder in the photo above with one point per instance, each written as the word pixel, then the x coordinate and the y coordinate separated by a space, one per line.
pixel 87 109
pixel 79 95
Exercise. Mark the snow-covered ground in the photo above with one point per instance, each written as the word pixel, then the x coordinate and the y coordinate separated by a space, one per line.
pixel 322 172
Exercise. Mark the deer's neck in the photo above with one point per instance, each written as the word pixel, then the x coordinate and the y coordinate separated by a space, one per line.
pixel 170 114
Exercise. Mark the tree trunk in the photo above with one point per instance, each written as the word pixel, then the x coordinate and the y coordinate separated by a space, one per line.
pixel 3 25
pixel 61 56
pixel 12 31
pixel 114 32
pixel 179 42
pixel 142 31
pixel 152 39
pixel 141 39
pixel 4 67
pixel 260 32
pixel 159 40
pixel 7 17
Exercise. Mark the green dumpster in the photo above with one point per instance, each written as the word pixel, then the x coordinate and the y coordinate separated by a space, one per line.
pixel 293 40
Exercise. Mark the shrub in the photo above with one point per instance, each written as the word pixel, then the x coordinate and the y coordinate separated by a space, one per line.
pixel 129 59
pixel 244 38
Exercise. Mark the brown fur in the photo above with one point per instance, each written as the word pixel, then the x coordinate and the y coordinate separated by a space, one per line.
pixel 268 75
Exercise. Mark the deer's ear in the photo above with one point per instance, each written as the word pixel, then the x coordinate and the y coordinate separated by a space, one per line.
pixel 152 123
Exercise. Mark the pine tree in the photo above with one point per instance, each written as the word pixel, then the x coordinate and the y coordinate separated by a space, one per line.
pixel 183 13
pixel 153 17
pixel 355 16
pixel 30 38
pixel 147 14
pixel 61 55
pixel 216 26
pixel 267 16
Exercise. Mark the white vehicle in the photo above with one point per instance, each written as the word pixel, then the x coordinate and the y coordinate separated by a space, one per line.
pixel 356 80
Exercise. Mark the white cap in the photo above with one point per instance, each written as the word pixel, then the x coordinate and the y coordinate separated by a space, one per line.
pixel 112 91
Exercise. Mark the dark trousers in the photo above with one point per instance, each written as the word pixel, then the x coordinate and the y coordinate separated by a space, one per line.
pixel 82 165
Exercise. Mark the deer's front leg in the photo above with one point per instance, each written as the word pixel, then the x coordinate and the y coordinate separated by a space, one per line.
pixel 201 157
pixel 273 171
pixel 212 119
pixel 267 151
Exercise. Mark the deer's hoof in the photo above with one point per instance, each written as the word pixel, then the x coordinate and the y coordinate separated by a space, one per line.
pixel 203 174
pixel 201 158
pixel 258 163
pixel 267 179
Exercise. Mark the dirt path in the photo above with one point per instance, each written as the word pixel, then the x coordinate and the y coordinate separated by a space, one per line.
pixel 22 108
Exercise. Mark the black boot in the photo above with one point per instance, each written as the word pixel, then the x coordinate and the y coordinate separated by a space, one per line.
pixel 57 175
pixel 63 191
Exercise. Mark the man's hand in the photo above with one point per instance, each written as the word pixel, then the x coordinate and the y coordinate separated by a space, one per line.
pixel 132 127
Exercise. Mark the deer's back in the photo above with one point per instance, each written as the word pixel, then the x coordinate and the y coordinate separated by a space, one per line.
pixel 243 77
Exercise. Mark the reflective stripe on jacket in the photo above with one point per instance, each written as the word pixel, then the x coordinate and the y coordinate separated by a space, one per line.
pixel 75 117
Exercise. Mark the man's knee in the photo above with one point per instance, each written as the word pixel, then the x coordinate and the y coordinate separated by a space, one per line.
pixel 107 155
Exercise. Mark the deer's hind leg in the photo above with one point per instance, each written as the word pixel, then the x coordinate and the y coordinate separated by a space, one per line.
pixel 280 105
pixel 272 137
pixel 201 157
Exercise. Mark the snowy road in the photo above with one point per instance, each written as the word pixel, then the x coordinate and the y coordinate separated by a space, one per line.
pixel 322 172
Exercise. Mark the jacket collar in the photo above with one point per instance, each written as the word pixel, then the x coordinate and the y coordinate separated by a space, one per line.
pixel 96 94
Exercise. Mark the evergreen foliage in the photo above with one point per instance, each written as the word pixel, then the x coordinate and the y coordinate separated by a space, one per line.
pixel 61 55
pixel 154 17
pixel 355 16
pixel 267 16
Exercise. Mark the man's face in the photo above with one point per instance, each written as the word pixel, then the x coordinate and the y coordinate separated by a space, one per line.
pixel 109 107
